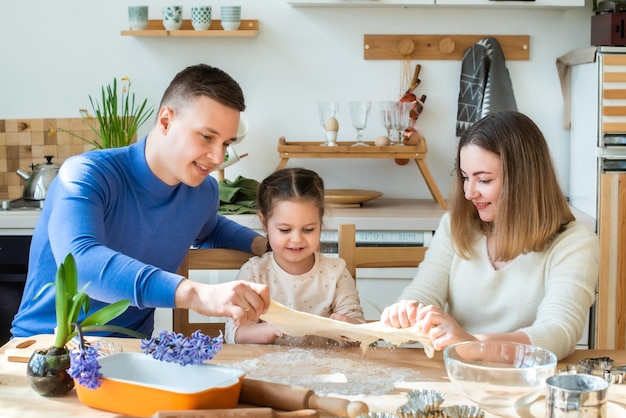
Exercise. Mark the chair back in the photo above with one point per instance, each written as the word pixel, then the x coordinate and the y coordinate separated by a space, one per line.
pixel 206 259
pixel 374 257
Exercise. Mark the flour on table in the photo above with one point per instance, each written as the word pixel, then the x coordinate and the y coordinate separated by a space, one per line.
pixel 328 371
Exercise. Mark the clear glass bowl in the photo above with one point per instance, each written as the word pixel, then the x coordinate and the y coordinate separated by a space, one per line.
pixel 498 375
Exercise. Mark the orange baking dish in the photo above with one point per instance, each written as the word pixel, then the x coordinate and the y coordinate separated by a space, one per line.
pixel 137 384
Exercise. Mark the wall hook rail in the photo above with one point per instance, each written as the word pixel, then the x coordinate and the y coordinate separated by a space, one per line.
pixel 439 47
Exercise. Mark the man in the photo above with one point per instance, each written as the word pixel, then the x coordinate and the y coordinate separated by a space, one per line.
pixel 129 215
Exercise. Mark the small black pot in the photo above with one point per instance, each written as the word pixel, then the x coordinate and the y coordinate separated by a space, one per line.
pixel 47 372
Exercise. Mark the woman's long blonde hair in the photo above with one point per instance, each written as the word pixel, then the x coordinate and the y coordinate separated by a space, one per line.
pixel 531 205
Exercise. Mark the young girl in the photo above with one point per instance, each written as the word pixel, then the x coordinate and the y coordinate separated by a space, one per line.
pixel 291 209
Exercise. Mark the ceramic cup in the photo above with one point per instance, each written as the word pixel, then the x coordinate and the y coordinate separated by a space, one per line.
pixel 201 17
pixel 138 17
pixel 230 17
pixel 172 17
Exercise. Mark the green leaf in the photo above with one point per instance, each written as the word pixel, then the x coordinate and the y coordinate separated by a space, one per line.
pixel 69 301
pixel 106 314
pixel 43 289
pixel 117 116
pixel 61 304
pixel 114 328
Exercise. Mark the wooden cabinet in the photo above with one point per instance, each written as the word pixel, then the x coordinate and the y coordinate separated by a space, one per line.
pixel 611 298
pixel 248 28
pixel 598 179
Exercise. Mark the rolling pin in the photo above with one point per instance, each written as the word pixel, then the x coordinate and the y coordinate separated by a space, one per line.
pixel 293 398
pixel 235 413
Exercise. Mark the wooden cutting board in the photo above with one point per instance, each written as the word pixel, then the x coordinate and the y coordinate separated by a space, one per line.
pixel 19 350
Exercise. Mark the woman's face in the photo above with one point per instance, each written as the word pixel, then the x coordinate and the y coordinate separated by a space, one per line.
pixel 482 179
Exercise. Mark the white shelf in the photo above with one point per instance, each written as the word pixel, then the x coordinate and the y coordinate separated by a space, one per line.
pixel 537 4
pixel 361 3
pixel 560 4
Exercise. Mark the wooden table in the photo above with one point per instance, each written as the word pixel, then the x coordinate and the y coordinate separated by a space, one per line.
pixel 17 399
pixel 409 152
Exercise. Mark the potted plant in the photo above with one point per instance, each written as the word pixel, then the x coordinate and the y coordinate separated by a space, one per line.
pixel 118 116
pixel 47 369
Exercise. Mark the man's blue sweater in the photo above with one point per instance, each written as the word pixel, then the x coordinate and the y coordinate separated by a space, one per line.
pixel 128 232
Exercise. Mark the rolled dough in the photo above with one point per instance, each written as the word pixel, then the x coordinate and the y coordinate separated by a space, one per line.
pixel 299 324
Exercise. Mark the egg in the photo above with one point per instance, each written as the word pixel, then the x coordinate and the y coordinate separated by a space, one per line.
pixel 381 141
pixel 332 124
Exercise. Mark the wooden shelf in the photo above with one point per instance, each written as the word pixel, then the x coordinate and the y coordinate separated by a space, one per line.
pixel 346 150
pixel 415 152
pixel 248 28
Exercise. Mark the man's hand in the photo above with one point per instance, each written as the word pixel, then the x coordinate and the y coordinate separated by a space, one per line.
pixel 240 300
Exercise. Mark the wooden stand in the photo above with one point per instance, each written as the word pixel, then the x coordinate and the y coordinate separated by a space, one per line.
pixel 415 152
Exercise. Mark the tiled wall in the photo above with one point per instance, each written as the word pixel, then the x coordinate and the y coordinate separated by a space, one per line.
pixel 25 141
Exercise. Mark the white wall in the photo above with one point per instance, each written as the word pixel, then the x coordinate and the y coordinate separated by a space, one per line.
pixel 54 54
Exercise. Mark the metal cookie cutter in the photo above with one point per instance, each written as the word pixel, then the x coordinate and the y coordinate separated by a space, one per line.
pixel 427 404
pixel 618 373
pixel 598 366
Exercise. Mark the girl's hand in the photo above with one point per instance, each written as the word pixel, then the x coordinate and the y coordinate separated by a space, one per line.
pixel 343 318
pixel 257 333
pixel 441 327
pixel 401 315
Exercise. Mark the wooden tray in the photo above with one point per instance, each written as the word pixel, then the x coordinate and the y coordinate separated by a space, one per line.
pixel 349 197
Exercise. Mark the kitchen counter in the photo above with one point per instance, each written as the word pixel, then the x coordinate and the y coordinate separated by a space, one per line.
pixel 18 222
pixel 17 399
pixel 379 214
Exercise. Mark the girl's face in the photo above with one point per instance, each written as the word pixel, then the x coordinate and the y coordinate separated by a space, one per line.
pixel 294 231
pixel 482 179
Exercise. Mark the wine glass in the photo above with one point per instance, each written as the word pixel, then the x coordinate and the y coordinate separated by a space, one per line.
pixel 360 112
pixel 386 117
pixel 400 120
pixel 328 120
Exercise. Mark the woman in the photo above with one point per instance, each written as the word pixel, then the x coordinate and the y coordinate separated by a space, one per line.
pixel 509 261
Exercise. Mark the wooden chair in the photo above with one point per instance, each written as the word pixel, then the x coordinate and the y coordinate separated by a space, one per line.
pixel 206 259
pixel 374 257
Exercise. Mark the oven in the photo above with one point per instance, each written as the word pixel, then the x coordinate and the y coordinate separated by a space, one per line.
pixel 18 218
pixel 13 268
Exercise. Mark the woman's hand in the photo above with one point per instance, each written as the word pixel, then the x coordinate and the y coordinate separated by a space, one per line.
pixel 242 301
pixel 441 327
pixel 401 315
